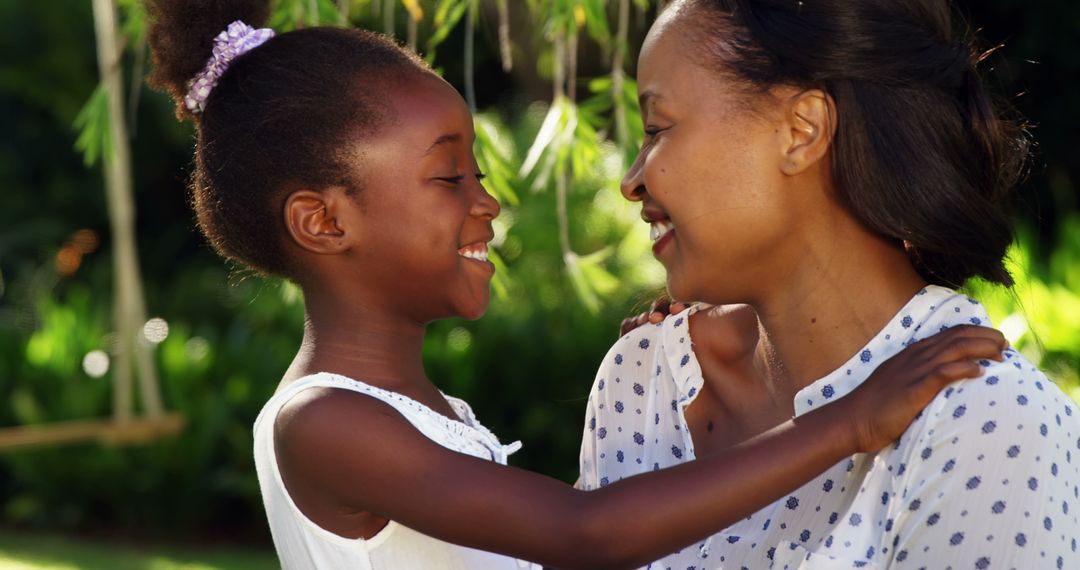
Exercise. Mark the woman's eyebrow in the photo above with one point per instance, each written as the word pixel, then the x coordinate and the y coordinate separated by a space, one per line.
pixel 648 96
pixel 447 138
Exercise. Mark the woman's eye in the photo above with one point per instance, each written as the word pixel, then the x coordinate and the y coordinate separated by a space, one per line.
pixel 653 131
pixel 480 176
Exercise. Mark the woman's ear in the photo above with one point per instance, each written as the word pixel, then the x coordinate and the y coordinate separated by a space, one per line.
pixel 316 222
pixel 811 123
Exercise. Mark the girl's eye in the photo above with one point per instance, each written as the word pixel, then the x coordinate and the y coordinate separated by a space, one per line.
pixel 455 180
pixel 653 131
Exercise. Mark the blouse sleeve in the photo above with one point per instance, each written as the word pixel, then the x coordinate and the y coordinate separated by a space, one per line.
pixel 587 477
pixel 989 482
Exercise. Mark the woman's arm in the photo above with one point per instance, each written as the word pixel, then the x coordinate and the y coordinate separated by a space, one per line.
pixel 362 455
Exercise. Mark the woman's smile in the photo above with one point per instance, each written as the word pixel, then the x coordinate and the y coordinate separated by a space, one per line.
pixel 661 232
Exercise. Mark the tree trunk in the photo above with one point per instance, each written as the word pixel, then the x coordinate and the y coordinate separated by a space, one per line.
pixel 128 306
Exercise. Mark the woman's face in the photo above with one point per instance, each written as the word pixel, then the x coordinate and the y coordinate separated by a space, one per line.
pixel 709 172
pixel 425 218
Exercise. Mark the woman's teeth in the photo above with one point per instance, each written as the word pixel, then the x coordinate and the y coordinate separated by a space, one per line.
pixel 478 252
pixel 660 229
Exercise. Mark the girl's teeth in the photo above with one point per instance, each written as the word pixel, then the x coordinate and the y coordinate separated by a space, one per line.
pixel 480 255
pixel 659 229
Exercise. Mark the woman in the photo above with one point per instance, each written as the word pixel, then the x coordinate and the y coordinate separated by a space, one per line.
pixel 835 166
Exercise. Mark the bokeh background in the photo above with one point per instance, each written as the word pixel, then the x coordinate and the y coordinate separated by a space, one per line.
pixel 557 123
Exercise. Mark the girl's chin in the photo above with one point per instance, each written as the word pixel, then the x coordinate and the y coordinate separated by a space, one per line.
pixel 474 310
pixel 474 316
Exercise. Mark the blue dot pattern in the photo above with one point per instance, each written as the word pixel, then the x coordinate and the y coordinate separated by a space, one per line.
pixel 984 478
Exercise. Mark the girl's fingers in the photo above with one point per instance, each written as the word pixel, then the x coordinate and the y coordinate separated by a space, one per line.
pixel 629 324
pixel 963 331
pixel 970 348
pixel 952 371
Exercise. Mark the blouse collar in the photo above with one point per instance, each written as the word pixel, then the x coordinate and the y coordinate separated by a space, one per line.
pixel 925 314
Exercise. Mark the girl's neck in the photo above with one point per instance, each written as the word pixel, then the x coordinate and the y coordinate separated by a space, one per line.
pixel 838 297
pixel 364 343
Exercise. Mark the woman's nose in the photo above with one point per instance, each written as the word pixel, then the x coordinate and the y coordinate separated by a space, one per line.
pixel 633 182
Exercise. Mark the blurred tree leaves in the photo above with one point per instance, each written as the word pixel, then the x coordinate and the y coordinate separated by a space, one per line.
pixel 526 366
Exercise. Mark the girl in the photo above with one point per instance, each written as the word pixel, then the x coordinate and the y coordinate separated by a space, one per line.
pixel 844 157
pixel 338 160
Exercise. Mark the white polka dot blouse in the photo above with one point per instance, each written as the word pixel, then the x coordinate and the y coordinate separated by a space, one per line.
pixel 983 479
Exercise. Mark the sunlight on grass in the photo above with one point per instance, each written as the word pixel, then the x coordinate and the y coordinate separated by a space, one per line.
pixel 45 552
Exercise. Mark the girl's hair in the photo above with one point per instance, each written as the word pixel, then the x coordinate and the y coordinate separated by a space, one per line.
pixel 286 115
pixel 921 155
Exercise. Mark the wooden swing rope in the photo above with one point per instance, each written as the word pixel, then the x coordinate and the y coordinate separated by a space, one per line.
pixel 129 310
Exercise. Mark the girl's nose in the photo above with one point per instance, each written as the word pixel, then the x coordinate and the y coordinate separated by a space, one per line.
pixel 485 205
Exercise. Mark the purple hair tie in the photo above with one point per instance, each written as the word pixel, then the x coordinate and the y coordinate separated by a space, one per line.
pixel 238 39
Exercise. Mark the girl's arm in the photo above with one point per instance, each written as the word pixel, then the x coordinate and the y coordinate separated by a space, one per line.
pixel 360 454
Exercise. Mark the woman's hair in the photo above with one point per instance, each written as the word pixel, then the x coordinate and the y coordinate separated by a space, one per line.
pixel 288 114
pixel 921 155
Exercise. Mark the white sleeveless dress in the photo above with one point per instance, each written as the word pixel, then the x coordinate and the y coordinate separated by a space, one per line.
pixel 301 544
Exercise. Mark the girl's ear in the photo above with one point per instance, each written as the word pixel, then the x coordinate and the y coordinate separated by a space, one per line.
pixel 315 220
pixel 811 124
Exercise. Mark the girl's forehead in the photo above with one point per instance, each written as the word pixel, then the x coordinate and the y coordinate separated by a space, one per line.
pixel 428 108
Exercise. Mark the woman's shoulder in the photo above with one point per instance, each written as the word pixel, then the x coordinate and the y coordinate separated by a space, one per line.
pixel 1013 400
pixel 725 332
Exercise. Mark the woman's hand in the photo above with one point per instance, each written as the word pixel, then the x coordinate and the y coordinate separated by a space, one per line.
pixel 883 407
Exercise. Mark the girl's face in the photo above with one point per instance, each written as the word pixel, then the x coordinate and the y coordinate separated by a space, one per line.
pixel 424 217
pixel 709 173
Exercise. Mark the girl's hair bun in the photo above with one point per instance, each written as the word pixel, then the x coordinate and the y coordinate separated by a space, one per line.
pixel 181 38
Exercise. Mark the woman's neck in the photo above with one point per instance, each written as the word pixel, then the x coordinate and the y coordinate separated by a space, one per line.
pixel 840 294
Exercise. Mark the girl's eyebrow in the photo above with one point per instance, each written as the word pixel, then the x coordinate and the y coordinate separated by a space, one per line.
pixel 448 138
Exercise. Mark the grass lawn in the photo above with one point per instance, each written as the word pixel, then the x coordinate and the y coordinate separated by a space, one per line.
pixel 50 552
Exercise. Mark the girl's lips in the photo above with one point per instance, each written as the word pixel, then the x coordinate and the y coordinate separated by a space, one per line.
pixel 477 251
pixel 477 255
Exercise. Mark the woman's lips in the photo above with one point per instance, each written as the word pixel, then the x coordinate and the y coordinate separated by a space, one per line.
pixel 661 232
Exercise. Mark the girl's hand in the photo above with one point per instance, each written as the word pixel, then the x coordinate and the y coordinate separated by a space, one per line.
pixel 883 407
pixel 661 307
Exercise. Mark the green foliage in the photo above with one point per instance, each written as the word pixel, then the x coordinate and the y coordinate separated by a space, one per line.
pixel 526 366
pixel 92 123
pixel 1041 314
pixel 447 16
pixel 291 14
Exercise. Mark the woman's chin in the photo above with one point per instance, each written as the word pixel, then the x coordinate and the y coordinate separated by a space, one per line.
pixel 679 289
